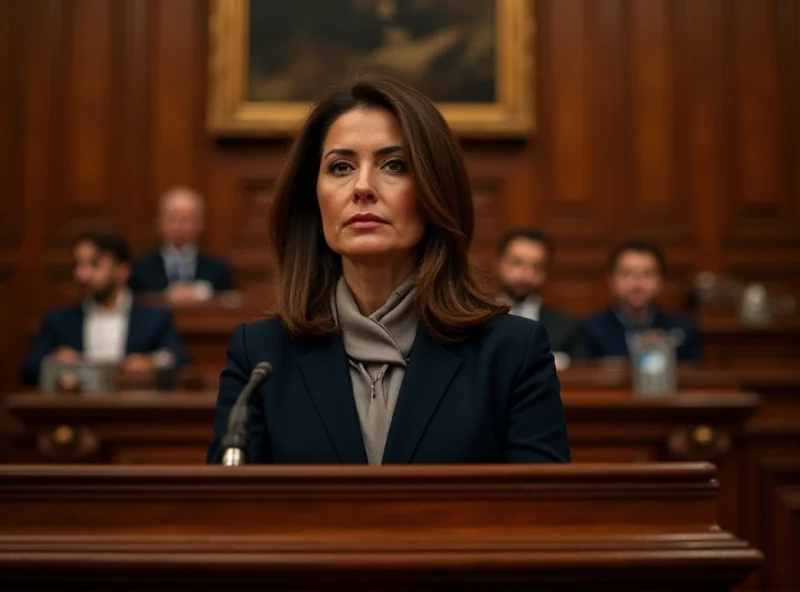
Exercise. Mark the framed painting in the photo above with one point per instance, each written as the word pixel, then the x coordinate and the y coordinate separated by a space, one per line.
pixel 270 60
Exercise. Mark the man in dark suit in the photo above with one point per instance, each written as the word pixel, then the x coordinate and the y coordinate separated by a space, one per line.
pixel 108 326
pixel 178 268
pixel 637 271
pixel 525 257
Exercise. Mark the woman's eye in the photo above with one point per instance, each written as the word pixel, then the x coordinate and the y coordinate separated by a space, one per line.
pixel 340 167
pixel 395 165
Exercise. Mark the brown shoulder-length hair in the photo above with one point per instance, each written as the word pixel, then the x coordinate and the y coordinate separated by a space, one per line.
pixel 451 302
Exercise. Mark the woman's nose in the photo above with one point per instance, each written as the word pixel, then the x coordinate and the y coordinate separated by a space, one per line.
pixel 364 188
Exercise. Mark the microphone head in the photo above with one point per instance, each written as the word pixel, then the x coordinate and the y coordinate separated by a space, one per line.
pixel 263 371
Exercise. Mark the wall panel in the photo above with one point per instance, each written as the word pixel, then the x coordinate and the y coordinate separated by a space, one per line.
pixel 11 120
pixel 761 206
pixel 659 207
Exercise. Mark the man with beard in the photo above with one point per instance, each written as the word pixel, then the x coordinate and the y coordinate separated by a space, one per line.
pixel 525 257
pixel 637 270
pixel 107 326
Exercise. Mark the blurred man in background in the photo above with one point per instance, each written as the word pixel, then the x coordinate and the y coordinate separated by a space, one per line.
pixel 107 326
pixel 525 258
pixel 178 268
pixel 637 272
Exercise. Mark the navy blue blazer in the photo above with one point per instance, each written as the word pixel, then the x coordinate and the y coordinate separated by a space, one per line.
pixel 150 275
pixel 494 398
pixel 149 330
pixel 605 335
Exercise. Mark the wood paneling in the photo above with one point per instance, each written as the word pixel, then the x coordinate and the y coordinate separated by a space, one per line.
pixel 674 120
pixel 178 98
pixel 9 322
pixel 570 34
pixel 246 178
pixel 762 205
pixel 78 195
pixel 130 180
pixel 11 120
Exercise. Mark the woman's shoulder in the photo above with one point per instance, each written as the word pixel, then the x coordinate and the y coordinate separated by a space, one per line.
pixel 506 342
pixel 513 325
pixel 258 334
pixel 270 336
pixel 509 331
pixel 260 328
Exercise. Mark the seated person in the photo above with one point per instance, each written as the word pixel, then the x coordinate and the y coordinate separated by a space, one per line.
pixel 637 271
pixel 108 326
pixel 525 257
pixel 178 268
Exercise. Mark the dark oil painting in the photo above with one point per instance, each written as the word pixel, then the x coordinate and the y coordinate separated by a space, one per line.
pixel 299 49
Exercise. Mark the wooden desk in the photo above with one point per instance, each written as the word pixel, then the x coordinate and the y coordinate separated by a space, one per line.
pixel 757 453
pixel 729 344
pixel 766 469
pixel 149 427
pixel 604 426
pixel 616 375
pixel 599 527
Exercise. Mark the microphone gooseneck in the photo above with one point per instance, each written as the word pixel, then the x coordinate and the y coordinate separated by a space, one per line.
pixel 236 442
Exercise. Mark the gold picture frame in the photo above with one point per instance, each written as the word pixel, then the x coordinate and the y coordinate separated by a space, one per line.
pixel 232 111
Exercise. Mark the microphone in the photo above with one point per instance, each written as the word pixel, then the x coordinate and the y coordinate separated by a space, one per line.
pixel 236 442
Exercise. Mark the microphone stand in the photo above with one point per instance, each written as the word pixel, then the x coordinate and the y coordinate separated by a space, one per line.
pixel 236 442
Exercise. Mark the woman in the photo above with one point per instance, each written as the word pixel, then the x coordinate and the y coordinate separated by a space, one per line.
pixel 386 350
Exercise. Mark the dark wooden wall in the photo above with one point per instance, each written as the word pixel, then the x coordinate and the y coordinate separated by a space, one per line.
pixel 676 120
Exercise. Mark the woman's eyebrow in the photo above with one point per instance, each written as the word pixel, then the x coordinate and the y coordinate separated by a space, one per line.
pixel 350 152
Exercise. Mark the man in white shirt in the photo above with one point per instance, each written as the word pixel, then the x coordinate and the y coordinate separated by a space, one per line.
pixel 178 268
pixel 107 326
pixel 524 260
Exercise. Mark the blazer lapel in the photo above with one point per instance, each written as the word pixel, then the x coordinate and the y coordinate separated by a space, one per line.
pixel 327 377
pixel 160 269
pixel 76 328
pixel 429 373
pixel 619 335
pixel 201 271
pixel 134 321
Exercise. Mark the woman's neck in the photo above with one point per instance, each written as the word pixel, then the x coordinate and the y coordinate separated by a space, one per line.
pixel 373 283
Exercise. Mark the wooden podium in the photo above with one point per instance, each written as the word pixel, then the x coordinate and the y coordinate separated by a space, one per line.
pixel 566 527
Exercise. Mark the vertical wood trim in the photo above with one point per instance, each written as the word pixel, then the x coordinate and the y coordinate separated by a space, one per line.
pixel 12 113
pixel 699 47
pixel 795 52
pixel 570 104
pixel 730 130
pixel 174 121
pixel 91 97
pixel 60 107
pixel 134 111
pixel 653 114
pixel 543 150
pixel 608 115
pixel 623 228
pixel 202 155
pixel 681 205
pixel 789 80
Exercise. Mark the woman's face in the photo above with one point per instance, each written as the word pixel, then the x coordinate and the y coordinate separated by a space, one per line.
pixel 368 203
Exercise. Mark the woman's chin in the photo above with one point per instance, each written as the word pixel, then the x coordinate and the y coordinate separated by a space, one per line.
pixel 365 254
pixel 371 252
pixel 367 246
